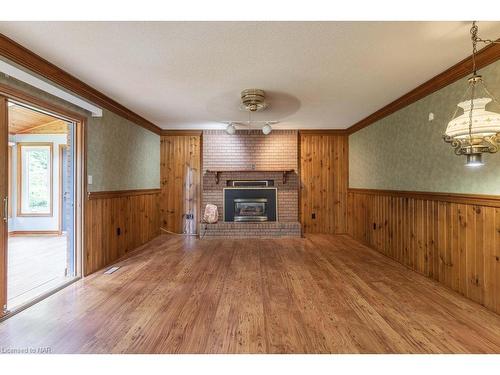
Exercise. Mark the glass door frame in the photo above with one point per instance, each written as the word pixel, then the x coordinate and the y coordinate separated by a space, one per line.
pixel 79 121
pixel 4 191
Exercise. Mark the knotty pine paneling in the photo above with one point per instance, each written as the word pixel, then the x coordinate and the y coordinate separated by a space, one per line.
pixel 323 182
pixel 136 215
pixel 180 159
pixel 454 243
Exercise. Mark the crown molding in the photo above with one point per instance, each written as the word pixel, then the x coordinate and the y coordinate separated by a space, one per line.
pixel 188 132
pixel 323 132
pixel 37 64
pixel 484 57
pixel 166 132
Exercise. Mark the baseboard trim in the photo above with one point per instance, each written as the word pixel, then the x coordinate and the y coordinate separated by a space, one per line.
pixel 34 233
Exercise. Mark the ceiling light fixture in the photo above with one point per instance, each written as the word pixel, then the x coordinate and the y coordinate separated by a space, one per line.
pixel 476 131
pixel 265 126
pixel 253 100
pixel 230 129
pixel 267 129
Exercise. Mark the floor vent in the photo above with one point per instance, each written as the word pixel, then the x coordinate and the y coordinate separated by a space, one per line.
pixel 109 271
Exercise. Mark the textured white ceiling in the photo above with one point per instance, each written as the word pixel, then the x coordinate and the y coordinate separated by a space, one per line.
pixel 189 74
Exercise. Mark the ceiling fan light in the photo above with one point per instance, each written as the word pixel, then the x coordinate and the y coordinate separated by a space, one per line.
pixel 253 100
pixel 230 129
pixel 267 129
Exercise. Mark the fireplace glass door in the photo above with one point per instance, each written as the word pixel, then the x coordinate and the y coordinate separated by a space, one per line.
pixel 250 209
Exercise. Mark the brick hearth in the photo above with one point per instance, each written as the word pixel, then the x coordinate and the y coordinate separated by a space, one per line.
pixel 269 229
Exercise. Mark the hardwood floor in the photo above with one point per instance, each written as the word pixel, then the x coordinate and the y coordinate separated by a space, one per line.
pixel 321 294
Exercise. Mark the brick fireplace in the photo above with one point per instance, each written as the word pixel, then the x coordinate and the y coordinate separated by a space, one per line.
pixel 251 158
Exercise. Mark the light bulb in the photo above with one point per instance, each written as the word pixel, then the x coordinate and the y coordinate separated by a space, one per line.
pixel 474 160
pixel 230 129
pixel 267 129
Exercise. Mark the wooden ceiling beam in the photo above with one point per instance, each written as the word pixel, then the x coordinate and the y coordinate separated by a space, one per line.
pixel 48 124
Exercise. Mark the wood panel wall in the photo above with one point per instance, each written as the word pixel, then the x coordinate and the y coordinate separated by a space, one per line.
pixel 451 239
pixel 135 213
pixel 180 175
pixel 323 182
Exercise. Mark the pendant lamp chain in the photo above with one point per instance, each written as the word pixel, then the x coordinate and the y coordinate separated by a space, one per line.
pixel 473 35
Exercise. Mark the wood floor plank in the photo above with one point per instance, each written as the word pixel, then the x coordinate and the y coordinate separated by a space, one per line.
pixel 319 294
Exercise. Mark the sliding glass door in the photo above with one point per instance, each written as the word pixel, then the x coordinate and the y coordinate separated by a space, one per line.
pixel 40 202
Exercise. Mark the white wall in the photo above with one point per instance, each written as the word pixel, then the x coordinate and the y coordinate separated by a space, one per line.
pixel 36 223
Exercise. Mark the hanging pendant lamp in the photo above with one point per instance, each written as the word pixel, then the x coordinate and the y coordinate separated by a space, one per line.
pixel 476 131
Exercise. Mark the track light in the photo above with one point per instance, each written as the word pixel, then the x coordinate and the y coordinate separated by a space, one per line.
pixel 230 129
pixel 267 129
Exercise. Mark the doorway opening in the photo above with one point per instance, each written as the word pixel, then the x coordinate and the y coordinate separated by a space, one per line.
pixel 41 252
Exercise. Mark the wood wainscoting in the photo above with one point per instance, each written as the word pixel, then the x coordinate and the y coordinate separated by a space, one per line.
pixel 323 181
pixel 117 222
pixel 180 176
pixel 451 238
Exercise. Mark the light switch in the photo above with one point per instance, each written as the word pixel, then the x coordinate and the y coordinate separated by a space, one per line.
pixel 89 179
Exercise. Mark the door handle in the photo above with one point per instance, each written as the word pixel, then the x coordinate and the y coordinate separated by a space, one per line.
pixel 5 209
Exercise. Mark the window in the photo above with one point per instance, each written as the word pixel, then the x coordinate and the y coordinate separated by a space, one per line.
pixel 35 179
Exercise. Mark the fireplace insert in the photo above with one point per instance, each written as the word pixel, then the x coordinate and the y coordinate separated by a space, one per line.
pixel 250 209
pixel 250 204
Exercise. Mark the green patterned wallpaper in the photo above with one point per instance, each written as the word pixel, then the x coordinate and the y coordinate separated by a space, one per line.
pixel 405 151
pixel 120 154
